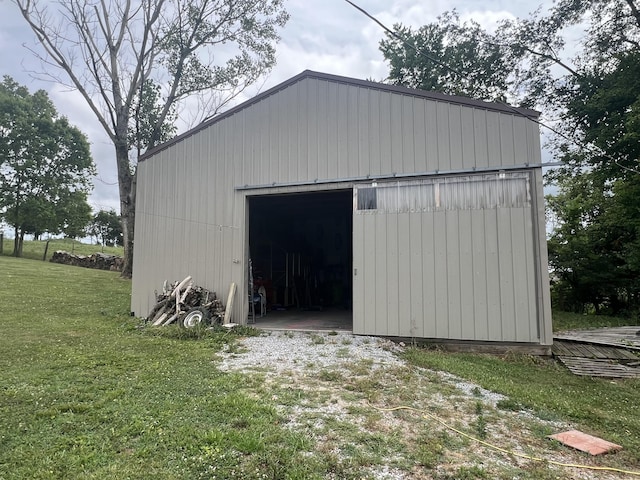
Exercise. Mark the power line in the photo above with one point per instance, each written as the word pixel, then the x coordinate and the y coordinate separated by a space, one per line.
pixel 99 178
pixel 593 149
pixel 395 35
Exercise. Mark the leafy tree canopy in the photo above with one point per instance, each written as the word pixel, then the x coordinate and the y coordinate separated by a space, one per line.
pixel 449 57
pixel 45 165
pixel 73 213
pixel 106 227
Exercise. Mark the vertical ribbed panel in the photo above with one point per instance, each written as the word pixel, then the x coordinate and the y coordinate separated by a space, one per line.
pixel 464 275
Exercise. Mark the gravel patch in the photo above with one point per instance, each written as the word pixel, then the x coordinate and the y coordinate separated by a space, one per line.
pixel 296 352
pixel 350 382
pixel 473 390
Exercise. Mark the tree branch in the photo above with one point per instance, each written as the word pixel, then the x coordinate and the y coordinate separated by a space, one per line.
pixel 634 11
pixel 47 40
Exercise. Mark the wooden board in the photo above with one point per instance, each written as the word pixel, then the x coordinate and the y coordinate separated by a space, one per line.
pixel 623 337
pixel 229 306
pixel 594 367
pixel 577 349
pixel 585 442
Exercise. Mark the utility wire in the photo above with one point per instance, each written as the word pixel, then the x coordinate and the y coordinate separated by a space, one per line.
pixel 395 35
pixel 428 415
pixel 591 148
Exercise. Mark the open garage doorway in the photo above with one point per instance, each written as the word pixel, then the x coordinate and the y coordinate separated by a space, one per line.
pixel 301 253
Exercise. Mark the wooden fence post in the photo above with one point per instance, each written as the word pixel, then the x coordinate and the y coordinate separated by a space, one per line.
pixel 46 248
pixel 1 242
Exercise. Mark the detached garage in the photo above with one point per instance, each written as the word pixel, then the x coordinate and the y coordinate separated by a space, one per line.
pixel 419 214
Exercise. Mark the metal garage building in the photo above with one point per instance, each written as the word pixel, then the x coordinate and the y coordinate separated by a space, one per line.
pixel 421 212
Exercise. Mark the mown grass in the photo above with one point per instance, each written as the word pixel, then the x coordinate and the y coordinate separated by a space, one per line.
pixel 35 249
pixel 606 408
pixel 86 394
pixel 575 321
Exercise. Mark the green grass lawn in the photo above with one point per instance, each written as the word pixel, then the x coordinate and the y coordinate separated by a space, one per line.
pixel 602 407
pixel 577 321
pixel 86 394
pixel 36 249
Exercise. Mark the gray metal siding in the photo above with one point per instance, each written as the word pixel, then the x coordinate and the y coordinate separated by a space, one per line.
pixel 539 251
pixel 191 221
pixel 317 129
pixel 465 274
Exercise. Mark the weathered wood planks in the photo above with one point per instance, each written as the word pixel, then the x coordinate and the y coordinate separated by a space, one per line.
pixel 593 367
pixel 625 337
pixel 596 359
pixel 574 349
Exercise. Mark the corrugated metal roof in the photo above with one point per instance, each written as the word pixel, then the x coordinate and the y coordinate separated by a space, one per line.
pixel 436 96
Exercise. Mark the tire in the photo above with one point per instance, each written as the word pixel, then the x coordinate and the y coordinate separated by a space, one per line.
pixel 195 317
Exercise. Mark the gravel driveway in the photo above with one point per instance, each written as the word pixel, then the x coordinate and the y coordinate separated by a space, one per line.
pixel 340 390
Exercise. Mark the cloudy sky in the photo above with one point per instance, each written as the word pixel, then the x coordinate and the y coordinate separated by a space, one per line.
pixel 322 35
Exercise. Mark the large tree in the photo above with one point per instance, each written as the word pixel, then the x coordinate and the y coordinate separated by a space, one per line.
pixel 595 245
pixel 106 227
pixel 450 57
pixel 526 62
pixel 136 63
pixel 73 214
pixel 45 164
pixel 589 95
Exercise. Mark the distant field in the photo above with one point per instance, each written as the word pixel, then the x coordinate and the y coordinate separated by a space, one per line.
pixel 35 249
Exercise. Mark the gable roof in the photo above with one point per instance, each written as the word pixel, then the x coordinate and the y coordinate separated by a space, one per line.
pixel 430 95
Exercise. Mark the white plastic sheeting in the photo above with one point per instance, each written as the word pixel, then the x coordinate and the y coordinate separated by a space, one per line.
pixel 459 192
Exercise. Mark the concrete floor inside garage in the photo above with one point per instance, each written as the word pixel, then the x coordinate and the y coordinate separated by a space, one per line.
pixel 338 320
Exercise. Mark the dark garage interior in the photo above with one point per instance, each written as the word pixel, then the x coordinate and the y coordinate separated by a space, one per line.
pixel 301 258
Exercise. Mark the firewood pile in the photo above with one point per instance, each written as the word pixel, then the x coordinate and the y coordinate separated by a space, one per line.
pixel 100 261
pixel 187 304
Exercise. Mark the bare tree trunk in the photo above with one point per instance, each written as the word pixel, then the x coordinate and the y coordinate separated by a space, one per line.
pixel 20 243
pixel 128 213
pixel 16 242
pixel 126 187
pixel 110 49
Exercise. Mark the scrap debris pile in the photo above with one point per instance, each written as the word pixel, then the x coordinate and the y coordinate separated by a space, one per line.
pixel 100 261
pixel 187 304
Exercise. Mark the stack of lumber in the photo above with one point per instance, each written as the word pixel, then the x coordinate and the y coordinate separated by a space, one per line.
pixel 179 299
pixel 99 261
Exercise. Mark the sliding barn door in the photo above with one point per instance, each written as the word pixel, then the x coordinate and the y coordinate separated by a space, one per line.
pixel 447 258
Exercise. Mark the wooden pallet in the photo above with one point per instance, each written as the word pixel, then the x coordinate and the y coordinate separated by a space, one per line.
pixel 587 350
pixel 597 359
pixel 594 367
pixel 624 337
